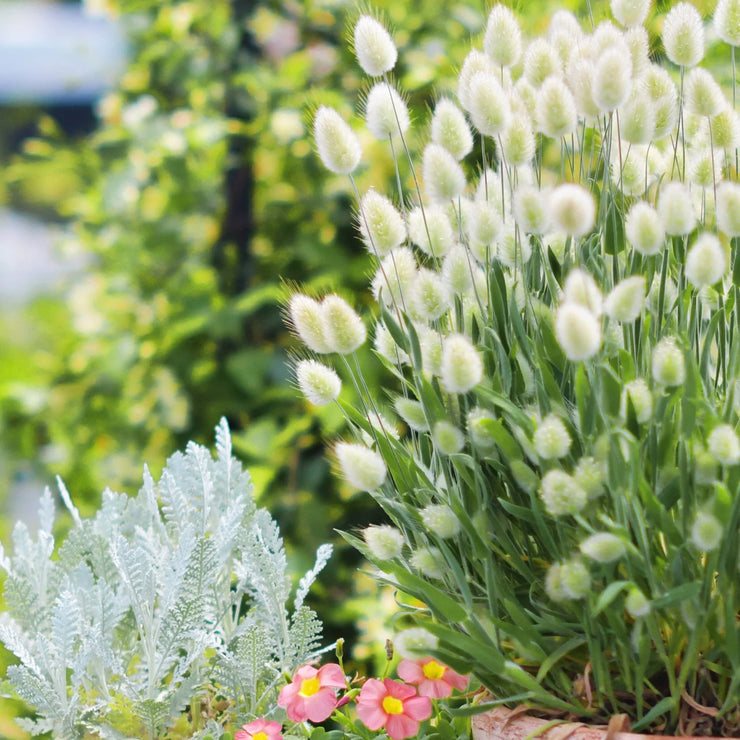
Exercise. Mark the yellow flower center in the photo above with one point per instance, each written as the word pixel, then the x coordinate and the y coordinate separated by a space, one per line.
pixel 259 736
pixel 309 686
pixel 434 670
pixel 393 705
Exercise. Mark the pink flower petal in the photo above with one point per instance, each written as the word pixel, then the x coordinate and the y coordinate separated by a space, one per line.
pixel 297 709
pixel 331 675
pixel 435 689
pixel 373 690
pixel 418 707
pixel 241 735
pixel 304 672
pixel 321 705
pixel 371 715
pixel 398 690
pixel 410 671
pixel 288 693
pixel 399 726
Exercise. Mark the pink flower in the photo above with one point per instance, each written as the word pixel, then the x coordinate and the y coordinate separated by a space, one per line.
pixel 393 705
pixel 310 695
pixel 260 729
pixel 434 679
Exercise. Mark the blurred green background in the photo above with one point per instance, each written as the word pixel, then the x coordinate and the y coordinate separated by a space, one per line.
pixel 183 206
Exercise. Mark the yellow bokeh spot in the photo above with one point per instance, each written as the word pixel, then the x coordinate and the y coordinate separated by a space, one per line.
pixel 309 686
pixel 392 705
pixel 433 670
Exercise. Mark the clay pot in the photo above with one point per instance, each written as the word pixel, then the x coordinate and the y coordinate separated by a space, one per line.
pixel 513 724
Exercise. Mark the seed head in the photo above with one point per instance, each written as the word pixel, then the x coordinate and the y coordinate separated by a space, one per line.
pixel 386 346
pixel 705 262
pixel 488 103
pixel 728 208
pixel 381 225
pixel 676 209
pixel 456 271
pixel 450 129
pixel 343 328
pixel 512 250
pixel 395 276
pixel 578 331
pixel 683 35
pixel 727 21
pixel 638 393
pixel 726 129
pixel 630 12
pixel 475 61
pixel 560 494
pixel 637 120
pixel 706 532
pixel 483 227
pixel 383 541
pixel 638 43
pixel 374 47
pixel 412 412
pixel 517 141
pixel 573 209
pixel 428 561
pixel 318 383
pixel 702 95
pixel 361 467
pixel 440 519
pixel 531 209
pixel 503 39
pixel 589 475
pixel 603 547
pixel 478 432
pixel 580 77
pixel 386 112
pixel 443 177
pixel 435 235
pixel 612 80
pixel 644 229
pixel 568 581
pixel 428 297
pixel 541 60
pixel 668 363
pixel 556 113
pixel 462 366
pixel 723 445
pixel 636 603
pixel 339 148
pixel 415 643
pixel 430 343
pixel 307 321
pixel 627 299
pixel 581 288
pixel 551 438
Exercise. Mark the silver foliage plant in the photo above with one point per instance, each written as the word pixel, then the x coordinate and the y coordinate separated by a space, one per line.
pixel 171 601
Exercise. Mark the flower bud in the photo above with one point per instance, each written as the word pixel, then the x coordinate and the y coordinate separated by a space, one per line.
pixel 386 112
pixel 578 331
pixel 440 519
pixel 456 271
pixel 428 297
pixel 627 299
pixel 573 209
pixel 728 208
pixel 612 80
pixel 517 141
pixel 443 177
pixel 361 467
pixel 668 363
pixel 706 532
pixel 462 366
pixel 381 225
pixel 306 319
pixel 630 12
pixel 644 229
pixel 581 288
pixel 702 95
pixel 603 547
pixel 503 39
pixel 683 35
pixel 383 541
pixel 556 112
pixel 705 262
pixel 676 209
pixel 450 129
pixel 541 60
pixel 479 434
pixel 638 393
pixel 343 328
pixel 727 21
pixel 339 148
pixel 395 277
pixel 318 383
pixel 428 561
pixel 636 603
pixel 723 445
pixel 412 412
pixel 531 209
pixel 374 47
pixel 568 581
pixel 431 230
pixel 475 61
pixel 560 494
pixel 415 643
pixel 551 438
pixel 589 475
pixel 488 103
